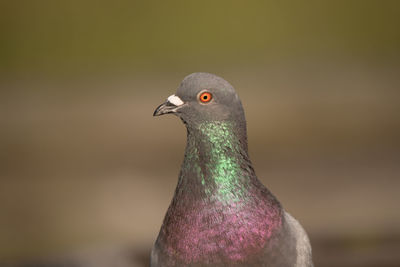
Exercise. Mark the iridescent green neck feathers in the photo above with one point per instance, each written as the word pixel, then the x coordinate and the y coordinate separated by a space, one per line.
pixel 216 161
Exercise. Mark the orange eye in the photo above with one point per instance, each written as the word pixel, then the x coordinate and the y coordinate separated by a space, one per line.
pixel 205 97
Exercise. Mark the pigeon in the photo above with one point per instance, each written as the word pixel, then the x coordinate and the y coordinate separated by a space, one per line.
pixel 221 214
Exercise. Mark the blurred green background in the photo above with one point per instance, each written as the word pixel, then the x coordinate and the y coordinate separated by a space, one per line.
pixel 84 164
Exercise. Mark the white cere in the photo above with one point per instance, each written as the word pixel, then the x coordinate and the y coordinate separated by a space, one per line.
pixel 173 99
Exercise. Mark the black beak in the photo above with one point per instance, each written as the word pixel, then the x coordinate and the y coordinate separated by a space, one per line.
pixel 165 108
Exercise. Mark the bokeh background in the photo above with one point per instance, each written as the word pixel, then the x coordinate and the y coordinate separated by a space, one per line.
pixel 83 164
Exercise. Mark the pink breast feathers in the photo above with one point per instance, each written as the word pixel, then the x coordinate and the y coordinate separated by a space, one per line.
pixel 219 234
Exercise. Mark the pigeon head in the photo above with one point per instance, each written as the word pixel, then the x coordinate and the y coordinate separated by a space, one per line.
pixel 203 97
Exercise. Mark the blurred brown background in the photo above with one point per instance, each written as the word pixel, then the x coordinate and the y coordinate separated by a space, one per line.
pixel 84 164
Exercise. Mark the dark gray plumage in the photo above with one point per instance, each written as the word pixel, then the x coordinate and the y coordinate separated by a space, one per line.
pixel 221 214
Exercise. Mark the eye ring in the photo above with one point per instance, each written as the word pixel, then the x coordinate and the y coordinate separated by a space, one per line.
pixel 205 97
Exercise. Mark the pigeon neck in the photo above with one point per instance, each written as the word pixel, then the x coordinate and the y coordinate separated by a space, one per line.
pixel 217 161
pixel 220 138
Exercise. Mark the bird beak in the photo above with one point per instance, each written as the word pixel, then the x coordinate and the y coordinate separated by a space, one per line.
pixel 172 104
